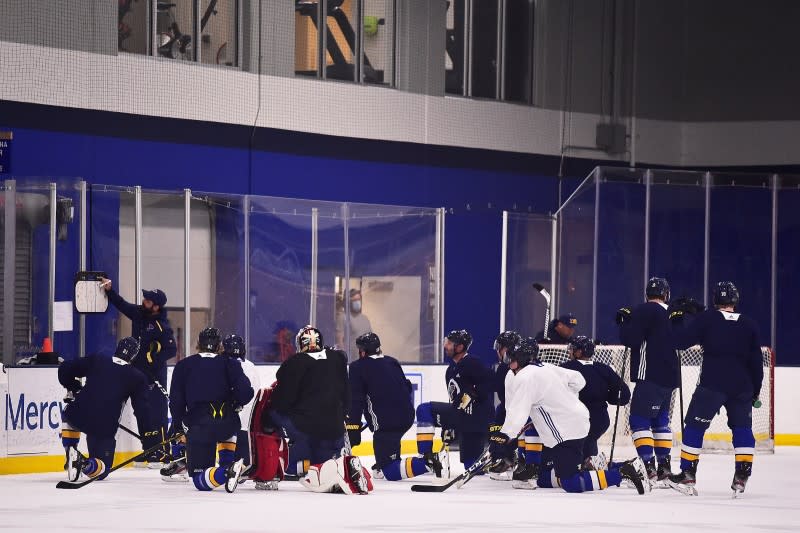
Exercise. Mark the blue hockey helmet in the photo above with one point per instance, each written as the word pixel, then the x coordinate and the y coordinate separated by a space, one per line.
pixel 233 345
pixel 657 288
pixel 127 349
pixel 507 339
pixel 369 342
pixel 583 344
pixel 308 339
pixel 209 340
pixel 523 353
pixel 725 294
pixel 460 336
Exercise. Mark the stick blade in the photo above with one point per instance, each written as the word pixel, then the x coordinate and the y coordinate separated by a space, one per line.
pixel 69 485
pixel 428 488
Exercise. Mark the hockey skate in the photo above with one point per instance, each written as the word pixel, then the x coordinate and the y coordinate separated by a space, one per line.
pixel 637 474
pixel 740 477
pixel 176 471
pixel 376 472
pixel 525 476
pixel 266 485
pixel 684 481
pixel 232 473
pixel 357 479
pixel 663 471
pixel 74 464
pixel 439 463
pixel 596 462
pixel 503 470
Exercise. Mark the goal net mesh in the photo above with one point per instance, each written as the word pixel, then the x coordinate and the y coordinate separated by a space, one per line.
pixel 718 436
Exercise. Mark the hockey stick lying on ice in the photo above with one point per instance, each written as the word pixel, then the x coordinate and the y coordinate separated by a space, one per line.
pixel 483 462
pixel 546 295
pixel 72 485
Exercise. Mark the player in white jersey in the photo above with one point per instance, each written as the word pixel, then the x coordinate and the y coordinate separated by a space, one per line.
pixel 549 396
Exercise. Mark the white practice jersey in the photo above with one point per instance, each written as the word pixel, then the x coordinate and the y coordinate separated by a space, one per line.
pixel 252 374
pixel 549 396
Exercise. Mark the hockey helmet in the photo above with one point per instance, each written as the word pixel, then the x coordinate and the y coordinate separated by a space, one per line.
pixel 369 342
pixel 507 339
pixel 523 353
pixel 233 345
pixel 657 288
pixel 209 339
pixel 725 294
pixel 308 339
pixel 583 344
pixel 127 349
pixel 460 336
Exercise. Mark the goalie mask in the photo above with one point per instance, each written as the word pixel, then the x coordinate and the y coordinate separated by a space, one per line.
pixel 308 339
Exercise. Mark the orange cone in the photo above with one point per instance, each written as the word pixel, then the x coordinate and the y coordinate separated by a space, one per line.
pixel 47 346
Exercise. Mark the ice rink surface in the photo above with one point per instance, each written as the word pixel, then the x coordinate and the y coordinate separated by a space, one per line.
pixel 137 500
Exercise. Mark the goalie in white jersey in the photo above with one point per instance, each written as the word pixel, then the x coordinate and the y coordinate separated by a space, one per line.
pixel 549 396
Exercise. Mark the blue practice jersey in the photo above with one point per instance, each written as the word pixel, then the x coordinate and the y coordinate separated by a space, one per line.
pixel 472 377
pixel 110 381
pixel 732 360
pixel 204 380
pixel 648 333
pixel 380 391
pixel 603 385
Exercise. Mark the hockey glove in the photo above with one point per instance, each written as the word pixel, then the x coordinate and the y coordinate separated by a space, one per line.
pixel 676 317
pixel 494 428
pixel 466 403
pixel 498 446
pixel 354 434
pixel 623 315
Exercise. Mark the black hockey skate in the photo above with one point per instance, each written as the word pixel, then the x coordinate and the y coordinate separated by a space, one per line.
pixel 636 473
pixel 232 473
pixel 740 477
pixel 684 481
pixel 525 476
pixel 503 470
pixel 438 463
pixel 357 479
pixel 74 464
pixel 377 473
pixel 176 471
pixel 663 472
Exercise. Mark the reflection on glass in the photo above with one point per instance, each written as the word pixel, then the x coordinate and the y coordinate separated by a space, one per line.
pixel 218 28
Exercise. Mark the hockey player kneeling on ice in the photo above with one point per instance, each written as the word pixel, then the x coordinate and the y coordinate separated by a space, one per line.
pixel 233 346
pixel 95 408
pixel 548 395
pixel 730 376
pixel 603 387
pixel 206 393
pixel 341 475
pixel 382 394
pixel 310 401
pixel 469 386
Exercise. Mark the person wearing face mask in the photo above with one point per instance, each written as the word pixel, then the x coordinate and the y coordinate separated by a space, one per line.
pixel 149 325
pixel 359 323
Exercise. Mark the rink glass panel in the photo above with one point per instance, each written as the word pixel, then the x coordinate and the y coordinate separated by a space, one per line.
pixel 528 261
pixel 391 254
pixel 788 267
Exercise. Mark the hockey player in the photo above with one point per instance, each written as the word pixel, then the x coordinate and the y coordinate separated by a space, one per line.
pixel 95 408
pixel 469 385
pixel 731 375
pixel 559 331
pixel 310 401
pixel 207 392
pixel 548 395
pixel 603 387
pixel 149 324
pixel 655 368
pixel 380 391
pixel 233 346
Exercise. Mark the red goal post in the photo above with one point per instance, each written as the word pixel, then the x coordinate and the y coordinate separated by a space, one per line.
pixel 718 437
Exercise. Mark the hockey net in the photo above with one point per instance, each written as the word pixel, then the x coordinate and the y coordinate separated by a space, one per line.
pixel 718 437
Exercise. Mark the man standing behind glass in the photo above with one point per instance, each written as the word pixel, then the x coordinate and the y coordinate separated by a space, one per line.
pixel 359 323
pixel 149 325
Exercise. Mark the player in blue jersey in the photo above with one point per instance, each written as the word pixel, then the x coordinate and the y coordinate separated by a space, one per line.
pixel 95 408
pixel 655 369
pixel 382 394
pixel 731 376
pixel 207 392
pixel 150 326
pixel 469 386
pixel 603 387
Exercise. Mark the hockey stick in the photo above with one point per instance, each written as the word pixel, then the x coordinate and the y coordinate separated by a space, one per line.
pixel 481 464
pixel 619 399
pixel 71 485
pixel 546 295
pixel 130 432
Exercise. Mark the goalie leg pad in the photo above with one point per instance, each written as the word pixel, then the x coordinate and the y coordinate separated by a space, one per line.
pixel 342 475
pixel 271 455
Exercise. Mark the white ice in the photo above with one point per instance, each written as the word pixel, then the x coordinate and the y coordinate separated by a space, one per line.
pixel 137 500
